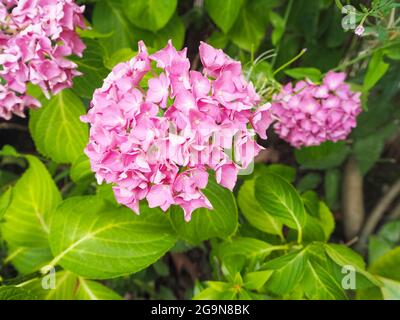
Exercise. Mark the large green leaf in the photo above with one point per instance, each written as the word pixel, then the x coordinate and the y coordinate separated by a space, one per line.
pixel 280 199
pixel 28 259
pixel 69 286
pixel 220 222
pixel 247 247
pixel 92 67
pixel 305 73
pixel 388 265
pixel 92 290
pixel 56 128
pixel 325 156
pixel 257 216
pixel 343 256
pixel 15 293
pixel 80 170
pixel 288 271
pixel 251 25
pixel 149 14
pixel 368 149
pixel 376 70
pixel 390 289
pixel 224 13
pixel 108 16
pixel 35 196
pixel 174 30
pixel 65 286
pixel 93 239
pixel 319 284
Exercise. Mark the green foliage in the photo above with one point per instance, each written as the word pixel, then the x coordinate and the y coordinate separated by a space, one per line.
pixel 56 128
pixel 281 201
pixel 26 220
pixel 107 242
pixel 224 14
pixel 325 156
pixel 151 15
pixel 305 73
pixel 220 222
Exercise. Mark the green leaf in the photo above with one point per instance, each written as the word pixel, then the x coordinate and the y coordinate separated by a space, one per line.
pixel 319 284
pixel 224 13
pixel 15 293
pixel 251 25
pixel 93 239
pixel 377 247
pixel 92 290
pixel 92 67
pixel 121 55
pixel 149 14
pixel 288 271
pixel 219 222
pixel 391 232
pixel 332 187
pixel 256 280
pixel 35 196
pixel 376 70
pixel 108 16
pixel 56 129
pixel 325 156
pixel 218 40
pixel 279 27
pixel 305 73
pixel 5 200
pixel 309 182
pixel 80 170
pixel 254 213
pixel 65 286
pixel 368 149
pixel 28 259
pixel 388 265
pixel 68 286
pixel 390 289
pixel 327 220
pixel 174 30
pixel 247 247
pixel 344 256
pixel 217 291
pixel 281 200
pixel 286 172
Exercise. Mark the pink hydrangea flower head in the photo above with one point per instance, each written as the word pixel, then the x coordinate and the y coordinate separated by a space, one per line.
pixel 308 114
pixel 161 139
pixel 36 37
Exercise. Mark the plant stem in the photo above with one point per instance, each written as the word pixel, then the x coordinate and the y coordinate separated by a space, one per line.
pixel 289 62
pixel 364 56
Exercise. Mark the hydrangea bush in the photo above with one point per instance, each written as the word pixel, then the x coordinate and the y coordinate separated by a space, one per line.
pixel 198 150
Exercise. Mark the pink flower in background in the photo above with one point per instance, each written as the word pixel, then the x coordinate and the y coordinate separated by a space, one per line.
pixel 36 37
pixel 161 142
pixel 309 114
pixel 359 31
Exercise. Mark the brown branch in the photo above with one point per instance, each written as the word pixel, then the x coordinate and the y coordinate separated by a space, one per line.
pixel 12 126
pixel 352 199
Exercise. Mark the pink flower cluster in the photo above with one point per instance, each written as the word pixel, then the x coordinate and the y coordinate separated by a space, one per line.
pixel 309 114
pixel 36 36
pixel 158 137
